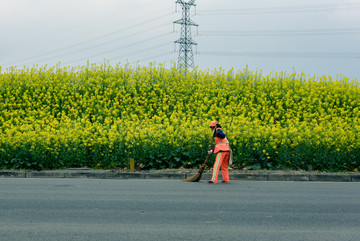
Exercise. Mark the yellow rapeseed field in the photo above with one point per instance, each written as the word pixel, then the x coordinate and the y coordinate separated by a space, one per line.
pixel 101 115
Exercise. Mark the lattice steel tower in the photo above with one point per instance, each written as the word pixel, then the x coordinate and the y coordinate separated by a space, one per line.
pixel 186 58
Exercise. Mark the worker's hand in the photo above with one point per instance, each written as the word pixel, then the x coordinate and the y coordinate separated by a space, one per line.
pixel 210 151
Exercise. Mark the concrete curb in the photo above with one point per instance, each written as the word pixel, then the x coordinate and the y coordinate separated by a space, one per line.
pixel 109 174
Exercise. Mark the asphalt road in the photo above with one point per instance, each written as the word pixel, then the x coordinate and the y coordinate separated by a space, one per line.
pixel 93 209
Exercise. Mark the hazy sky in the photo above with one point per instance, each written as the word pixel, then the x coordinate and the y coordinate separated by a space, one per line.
pixel 313 36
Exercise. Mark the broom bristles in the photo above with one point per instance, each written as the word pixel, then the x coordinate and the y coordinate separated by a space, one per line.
pixel 197 176
pixel 194 178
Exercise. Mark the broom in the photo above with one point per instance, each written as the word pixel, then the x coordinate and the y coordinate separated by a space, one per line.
pixel 197 176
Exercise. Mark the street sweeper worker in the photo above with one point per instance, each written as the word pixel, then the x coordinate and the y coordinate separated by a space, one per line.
pixel 223 153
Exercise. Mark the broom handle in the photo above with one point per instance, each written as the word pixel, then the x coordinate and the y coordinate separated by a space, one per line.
pixel 207 158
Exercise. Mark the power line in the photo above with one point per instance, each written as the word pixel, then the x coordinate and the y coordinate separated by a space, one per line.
pixel 84 42
pixel 306 55
pixel 287 32
pixel 284 10
pixel 81 25
pixel 71 52
pixel 124 29
pixel 153 57
pixel 122 47
pixel 144 50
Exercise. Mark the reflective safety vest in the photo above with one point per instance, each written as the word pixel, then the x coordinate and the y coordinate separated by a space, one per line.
pixel 222 144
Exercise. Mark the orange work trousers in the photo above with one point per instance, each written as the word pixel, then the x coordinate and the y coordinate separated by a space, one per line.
pixel 222 160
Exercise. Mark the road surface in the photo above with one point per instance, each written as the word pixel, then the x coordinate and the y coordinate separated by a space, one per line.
pixel 93 209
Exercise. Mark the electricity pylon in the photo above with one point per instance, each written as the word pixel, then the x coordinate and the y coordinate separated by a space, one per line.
pixel 186 58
